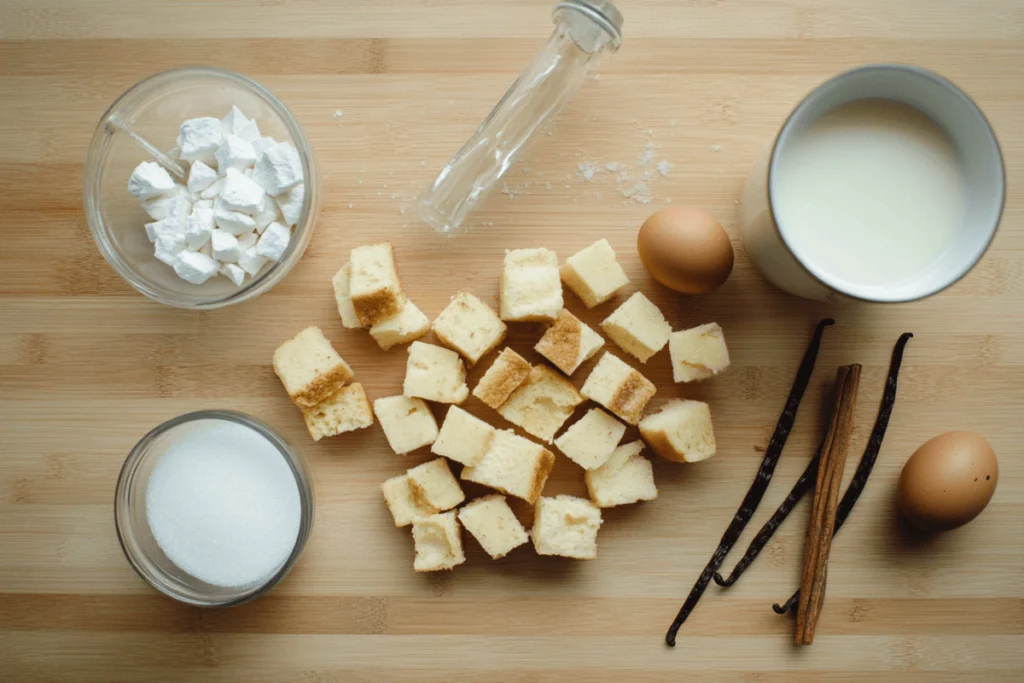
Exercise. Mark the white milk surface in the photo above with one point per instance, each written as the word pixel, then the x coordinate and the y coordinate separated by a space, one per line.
pixel 870 193
pixel 223 505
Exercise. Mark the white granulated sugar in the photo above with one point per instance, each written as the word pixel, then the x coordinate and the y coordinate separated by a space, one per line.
pixel 338 114
pixel 225 246
pixel 235 153
pixel 251 262
pixel 274 242
pixel 195 267
pixel 150 179
pixel 233 273
pixel 199 139
pixel 235 222
pixel 198 227
pixel 716 148
pixel 612 166
pixel 278 168
pixel 241 194
pixel 291 203
pixel 587 170
pixel 350 205
pixel 224 506
pixel 200 177
pixel 665 167
pixel 647 156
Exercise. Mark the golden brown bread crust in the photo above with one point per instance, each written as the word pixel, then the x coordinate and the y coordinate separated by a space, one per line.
pixel 506 374
pixel 661 445
pixel 540 476
pixel 313 415
pixel 377 306
pixel 562 341
pixel 323 387
pixel 631 397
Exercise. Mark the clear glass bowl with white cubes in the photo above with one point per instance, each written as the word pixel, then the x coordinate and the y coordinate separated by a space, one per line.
pixel 201 188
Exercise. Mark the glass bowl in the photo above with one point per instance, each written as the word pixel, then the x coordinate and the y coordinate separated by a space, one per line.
pixel 154 109
pixel 137 537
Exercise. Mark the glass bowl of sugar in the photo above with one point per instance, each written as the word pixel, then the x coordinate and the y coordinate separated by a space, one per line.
pixel 213 508
pixel 191 213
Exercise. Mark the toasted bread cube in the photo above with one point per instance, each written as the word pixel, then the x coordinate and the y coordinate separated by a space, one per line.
pixel 530 285
pixel 408 325
pixel 626 478
pixel 463 438
pixel 594 274
pixel 638 327
pixel 681 431
pixel 698 353
pixel 619 388
pixel 438 542
pixel 435 373
pixel 566 526
pixel 433 485
pixel 493 525
pixel 469 326
pixel 343 297
pixel 407 422
pixel 310 369
pixel 346 411
pixel 403 506
pixel 513 465
pixel 373 284
pixel 592 440
pixel 568 343
pixel 508 371
pixel 542 404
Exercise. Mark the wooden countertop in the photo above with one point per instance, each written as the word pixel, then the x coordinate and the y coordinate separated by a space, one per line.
pixel 87 365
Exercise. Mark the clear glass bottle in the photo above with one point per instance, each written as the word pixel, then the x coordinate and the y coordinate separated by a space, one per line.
pixel 583 29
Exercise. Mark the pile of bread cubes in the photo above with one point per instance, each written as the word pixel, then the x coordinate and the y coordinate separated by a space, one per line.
pixel 537 398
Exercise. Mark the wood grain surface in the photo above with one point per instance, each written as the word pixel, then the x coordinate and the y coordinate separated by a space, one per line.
pixel 87 365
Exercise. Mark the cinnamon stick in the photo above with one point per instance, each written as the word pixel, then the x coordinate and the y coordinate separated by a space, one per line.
pixel 826 499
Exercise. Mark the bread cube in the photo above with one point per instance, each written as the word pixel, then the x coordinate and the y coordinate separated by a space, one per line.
pixel 513 465
pixel 594 274
pixel 508 371
pixel 400 501
pixel 346 411
pixel 542 404
pixel 493 525
pixel 566 526
pixel 681 431
pixel 626 478
pixel 590 442
pixel 568 343
pixel 463 437
pixel 373 284
pixel 310 369
pixel 530 285
pixel 438 542
pixel 698 353
pixel 433 485
pixel 619 388
pixel 343 297
pixel 469 326
pixel 408 325
pixel 638 327
pixel 435 373
pixel 407 422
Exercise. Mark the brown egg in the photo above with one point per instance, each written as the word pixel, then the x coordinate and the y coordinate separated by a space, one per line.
pixel 948 481
pixel 685 249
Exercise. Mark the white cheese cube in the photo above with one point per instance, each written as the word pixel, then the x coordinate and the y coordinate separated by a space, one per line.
pixel 233 273
pixel 198 139
pixel 198 227
pixel 698 353
pixel 594 274
pixel 213 191
pixel 149 179
pixel 530 286
pixel 251 262
pixel 200 177
pixel 278 168
pixel 241 194
pixel 274 242
pixel 291 203
pixel 638 327
pixel 195 267
pixel 234 153
pixel 235 222
pixel 225 246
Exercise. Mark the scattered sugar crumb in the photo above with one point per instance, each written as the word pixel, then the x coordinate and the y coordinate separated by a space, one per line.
pixel 337 114
pixel 672 123
pixel 350 206
pixel 612 166
pixel 360 181
pixel 422 164
pixel 716 148
pixel 587 170
pixel 401 211
pixel 665 167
